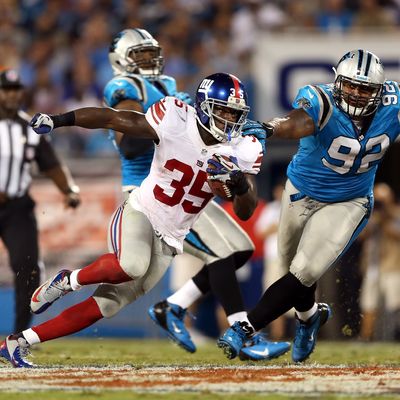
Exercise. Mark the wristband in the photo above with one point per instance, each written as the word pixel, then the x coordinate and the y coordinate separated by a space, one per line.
pixel 67 119
pixel 238 183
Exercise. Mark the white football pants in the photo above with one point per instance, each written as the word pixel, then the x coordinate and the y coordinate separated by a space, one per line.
pixel 312 235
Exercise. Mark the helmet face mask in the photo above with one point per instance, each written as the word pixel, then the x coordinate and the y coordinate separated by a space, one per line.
pixel 144 60
pixel 358 99
pixel 135 51
pixel 359 83
pixel 221 106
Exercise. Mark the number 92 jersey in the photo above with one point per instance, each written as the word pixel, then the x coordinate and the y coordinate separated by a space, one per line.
pixel 176 189
pixel 336 163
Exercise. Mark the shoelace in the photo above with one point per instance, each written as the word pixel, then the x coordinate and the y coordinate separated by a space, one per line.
pixel 59 286
pixel 182 312
pixel 240 331
pixel 24 352
pixel 258 338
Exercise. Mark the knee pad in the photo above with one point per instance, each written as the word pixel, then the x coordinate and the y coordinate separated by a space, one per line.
pixel 108 300
pixel 136 267
pixel 108 308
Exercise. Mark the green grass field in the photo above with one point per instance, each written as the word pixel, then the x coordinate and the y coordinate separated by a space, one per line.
pixel 157 353
pixel 100 352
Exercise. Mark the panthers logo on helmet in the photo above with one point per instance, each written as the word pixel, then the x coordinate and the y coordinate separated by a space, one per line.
pixel 115 40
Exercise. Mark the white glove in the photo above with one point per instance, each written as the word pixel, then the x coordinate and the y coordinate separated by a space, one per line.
pixel 42 123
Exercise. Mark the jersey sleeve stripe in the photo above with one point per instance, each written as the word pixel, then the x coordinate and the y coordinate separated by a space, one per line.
pixel 162 105
pixel 160 113
pixel 153 114
pixel 326 107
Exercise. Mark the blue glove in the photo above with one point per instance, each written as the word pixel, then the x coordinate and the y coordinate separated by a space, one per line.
pixel 257 129
pixel 221 168
pixel 183 96
pixel 42 123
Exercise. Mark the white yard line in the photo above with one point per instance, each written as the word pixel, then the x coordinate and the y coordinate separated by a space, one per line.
pixel 310 379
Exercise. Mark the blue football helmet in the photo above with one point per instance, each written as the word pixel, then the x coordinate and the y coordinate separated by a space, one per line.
pixel 127 50
pixel 219 95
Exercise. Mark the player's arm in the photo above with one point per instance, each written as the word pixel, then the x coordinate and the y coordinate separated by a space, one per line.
pixel 295 125
pixel 49 163
pixel 131 123
pixel 129 146
pixel 130 105
pixel 242 185
pixel 245 198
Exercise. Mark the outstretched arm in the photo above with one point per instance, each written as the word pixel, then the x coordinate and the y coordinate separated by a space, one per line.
pixel 295 125
pixel 132 123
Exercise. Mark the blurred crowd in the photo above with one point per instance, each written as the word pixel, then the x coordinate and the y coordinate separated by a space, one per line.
pixel 61 46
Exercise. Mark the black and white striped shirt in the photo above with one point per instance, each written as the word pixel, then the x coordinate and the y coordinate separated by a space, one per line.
pixel 19 146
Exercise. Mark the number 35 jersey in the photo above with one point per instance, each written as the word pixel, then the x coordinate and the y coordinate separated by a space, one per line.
pixel 337 163
pixel 176 189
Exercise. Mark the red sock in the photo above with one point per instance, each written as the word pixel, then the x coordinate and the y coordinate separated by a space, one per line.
pixel 71 320
pixel 106 269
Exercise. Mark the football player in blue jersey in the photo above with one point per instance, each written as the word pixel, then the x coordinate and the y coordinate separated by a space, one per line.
pixel 138 83
pixel 344 129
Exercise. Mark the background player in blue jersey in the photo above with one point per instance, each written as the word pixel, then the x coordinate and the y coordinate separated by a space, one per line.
pixel 215 238
pixel 344 129
pixel 136 59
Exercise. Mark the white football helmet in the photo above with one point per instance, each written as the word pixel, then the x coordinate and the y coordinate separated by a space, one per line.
pixel 126 54
pixel 358 83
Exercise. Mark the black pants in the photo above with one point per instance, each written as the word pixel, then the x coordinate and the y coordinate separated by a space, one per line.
pixel 18 231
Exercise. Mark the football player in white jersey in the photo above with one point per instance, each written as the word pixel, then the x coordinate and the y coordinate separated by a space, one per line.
pixel 139 82
pixel 148 229
pixel 344 129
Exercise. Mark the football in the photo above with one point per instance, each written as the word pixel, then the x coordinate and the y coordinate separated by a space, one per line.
pixel 220 189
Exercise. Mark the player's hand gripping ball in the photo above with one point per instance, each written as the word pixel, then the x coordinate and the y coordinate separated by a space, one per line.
pixel 219 173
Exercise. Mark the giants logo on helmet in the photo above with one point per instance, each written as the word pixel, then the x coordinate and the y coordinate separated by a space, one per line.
pixel 205 86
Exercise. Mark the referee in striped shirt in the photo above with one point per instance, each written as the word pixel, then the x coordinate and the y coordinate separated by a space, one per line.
pixel 19 147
